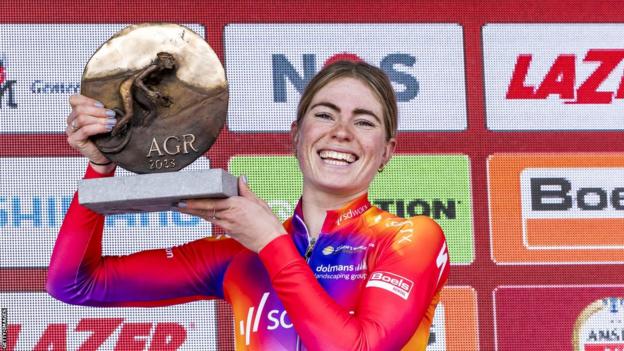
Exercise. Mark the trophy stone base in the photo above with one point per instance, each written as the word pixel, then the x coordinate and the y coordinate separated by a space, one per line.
pixel 154 192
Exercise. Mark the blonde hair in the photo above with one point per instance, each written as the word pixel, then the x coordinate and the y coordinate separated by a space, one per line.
pixel 372 76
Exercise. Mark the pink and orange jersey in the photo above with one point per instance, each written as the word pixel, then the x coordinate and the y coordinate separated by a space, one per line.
pixel 371 281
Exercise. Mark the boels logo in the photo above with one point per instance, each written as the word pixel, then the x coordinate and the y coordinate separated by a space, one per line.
pixel 566 208
pixel 394 65
pixel 7 86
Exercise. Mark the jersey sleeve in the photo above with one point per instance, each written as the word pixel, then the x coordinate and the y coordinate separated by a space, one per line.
pixel 78 274
pixel 411 268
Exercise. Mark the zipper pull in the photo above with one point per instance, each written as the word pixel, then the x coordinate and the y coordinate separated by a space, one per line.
pixel 308 252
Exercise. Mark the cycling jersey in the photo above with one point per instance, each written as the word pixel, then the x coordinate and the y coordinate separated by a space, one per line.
pixel 370 281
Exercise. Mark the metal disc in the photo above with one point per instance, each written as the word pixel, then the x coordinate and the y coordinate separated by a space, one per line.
pixel 168 90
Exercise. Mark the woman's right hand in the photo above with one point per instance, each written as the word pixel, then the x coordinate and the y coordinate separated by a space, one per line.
pixel 89 117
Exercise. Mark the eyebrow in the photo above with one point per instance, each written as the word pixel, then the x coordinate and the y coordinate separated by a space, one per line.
pixel 357 111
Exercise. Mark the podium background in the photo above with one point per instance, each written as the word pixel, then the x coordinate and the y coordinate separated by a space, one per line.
pixel 471 142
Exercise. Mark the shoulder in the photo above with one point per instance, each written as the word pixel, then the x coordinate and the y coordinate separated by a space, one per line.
pixel 414 233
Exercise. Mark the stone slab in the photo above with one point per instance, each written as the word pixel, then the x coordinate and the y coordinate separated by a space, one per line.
pixel 154 192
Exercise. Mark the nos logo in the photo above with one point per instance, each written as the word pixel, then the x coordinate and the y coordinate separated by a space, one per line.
pixel 284 71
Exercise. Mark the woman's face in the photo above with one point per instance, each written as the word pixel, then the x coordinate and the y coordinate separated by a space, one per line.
pixel 340 141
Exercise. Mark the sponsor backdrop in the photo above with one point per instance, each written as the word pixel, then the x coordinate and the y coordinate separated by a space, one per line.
pixel 511 137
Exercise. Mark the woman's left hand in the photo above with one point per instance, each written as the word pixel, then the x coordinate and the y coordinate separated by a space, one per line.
pixel 246 218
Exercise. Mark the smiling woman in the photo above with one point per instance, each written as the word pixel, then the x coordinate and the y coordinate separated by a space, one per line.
pixel 341 274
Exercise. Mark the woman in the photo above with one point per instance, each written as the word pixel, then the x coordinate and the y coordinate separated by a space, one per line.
pixel 338 275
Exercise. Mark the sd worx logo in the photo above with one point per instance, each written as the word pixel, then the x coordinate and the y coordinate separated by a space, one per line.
pixel 7 92
pixel 560 80
pixel 276 319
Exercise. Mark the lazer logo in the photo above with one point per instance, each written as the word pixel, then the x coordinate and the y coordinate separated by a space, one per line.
pixel 275 319
pixel 435 208
pixel 394 65
pixel 6 86
pixel 561 78
pixel 129 336
pixel 391 282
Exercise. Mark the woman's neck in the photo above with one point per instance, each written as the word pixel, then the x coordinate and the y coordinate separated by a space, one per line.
pixel 317 203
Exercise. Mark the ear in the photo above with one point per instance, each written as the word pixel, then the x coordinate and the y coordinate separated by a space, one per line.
pixel 389 150
pixel 294 133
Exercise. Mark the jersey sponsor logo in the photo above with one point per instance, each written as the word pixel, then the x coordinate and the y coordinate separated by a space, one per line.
pixel 348 249
pixel 600 326
pixel 442 260
pixel 276 318
pixel 351 213
pixel 441 189
pixel 58 326
pixel 425 86
pixel 554 203
pixel 35 194
pixel 391 282
pixel 554 77
pixel 41 70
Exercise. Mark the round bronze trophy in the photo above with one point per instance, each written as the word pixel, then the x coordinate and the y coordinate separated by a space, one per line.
pixel 169 94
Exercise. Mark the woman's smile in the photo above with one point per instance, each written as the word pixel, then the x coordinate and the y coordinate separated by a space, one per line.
pixel 341 141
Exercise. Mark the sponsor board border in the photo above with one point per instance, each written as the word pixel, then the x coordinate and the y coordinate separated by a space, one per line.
pixel 466 120
pixel 535 248
pixel 483 78
pixel 538 286
pixel 475 306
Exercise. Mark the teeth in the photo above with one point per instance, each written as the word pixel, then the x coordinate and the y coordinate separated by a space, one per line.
pixel 325 154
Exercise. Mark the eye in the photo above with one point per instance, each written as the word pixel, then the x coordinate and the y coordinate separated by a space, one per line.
pixel 365 123
pixel 323 115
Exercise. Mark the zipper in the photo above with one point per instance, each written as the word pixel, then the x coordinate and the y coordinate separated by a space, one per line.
pixel 308 255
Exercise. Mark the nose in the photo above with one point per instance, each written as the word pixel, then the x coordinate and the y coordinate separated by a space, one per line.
pixel 342 131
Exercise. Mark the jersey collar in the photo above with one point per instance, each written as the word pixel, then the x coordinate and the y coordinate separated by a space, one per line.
pixel 335 218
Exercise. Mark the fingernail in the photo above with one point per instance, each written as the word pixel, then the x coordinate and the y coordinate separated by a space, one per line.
pixel 244 178
pixel 110 113
pixel 98 104
pixel 111 121
pixel 109 127
pixel 181 204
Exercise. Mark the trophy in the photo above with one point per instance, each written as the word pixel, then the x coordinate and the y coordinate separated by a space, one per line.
pixel 169 94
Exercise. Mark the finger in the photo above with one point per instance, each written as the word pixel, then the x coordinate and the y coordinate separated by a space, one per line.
pixel 78 99
pixel 84 132
pixel 208 204
pixel 91 110
pixel 86 120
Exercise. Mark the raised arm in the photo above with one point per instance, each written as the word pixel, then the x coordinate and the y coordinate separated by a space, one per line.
pixel 78 273
pixel 394 305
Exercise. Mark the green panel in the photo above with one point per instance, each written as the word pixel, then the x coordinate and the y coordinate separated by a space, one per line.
pixel 438 186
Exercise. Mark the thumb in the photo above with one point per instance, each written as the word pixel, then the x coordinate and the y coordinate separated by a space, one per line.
pixel 243 188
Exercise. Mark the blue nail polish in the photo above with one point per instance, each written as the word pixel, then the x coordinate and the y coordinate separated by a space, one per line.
pixel 111 121
pixel 244 178
pixel 110 113
pixel 98 104
pixel 109 127
pixel 181 204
